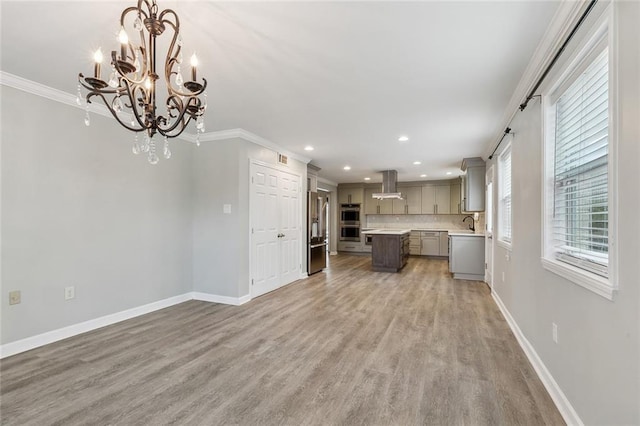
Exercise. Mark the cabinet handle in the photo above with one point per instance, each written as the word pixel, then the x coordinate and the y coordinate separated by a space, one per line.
pixel 406 209
pixel 377 209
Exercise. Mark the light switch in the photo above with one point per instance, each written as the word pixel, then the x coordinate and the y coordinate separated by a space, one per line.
pixel 226 208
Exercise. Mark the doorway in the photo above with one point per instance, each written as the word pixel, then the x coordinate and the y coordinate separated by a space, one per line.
pixel 488 218
pixel 276 217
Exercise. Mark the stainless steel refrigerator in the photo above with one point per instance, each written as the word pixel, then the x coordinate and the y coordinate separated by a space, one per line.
pixel 316 232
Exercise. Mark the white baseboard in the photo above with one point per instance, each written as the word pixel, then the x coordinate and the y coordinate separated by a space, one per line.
pixel 227 300
pixel 333 253
pixel 559 398
pixel 33 342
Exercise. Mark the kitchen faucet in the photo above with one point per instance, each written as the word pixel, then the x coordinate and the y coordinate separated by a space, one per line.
pixel 473 223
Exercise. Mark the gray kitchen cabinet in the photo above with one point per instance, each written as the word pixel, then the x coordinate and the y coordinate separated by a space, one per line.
pixel 350 194
pixel 456 198
pixel 370 203
pixel 430 243
pixel 444 243
pixel 473 184
pixel 415 243
pixel 436 199
pixel 375 206
pixel 466 257
pixel 411 202
pixel 389 253
pixel 350 246
pixel 385 206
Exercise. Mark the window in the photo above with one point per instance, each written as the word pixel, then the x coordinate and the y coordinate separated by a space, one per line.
pixel 577 190
pixel 504 204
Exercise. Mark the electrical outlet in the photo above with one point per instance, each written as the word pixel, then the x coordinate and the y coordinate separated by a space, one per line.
pixel 14 297
pixel 69 293
pixel 503 277
pixel 554 332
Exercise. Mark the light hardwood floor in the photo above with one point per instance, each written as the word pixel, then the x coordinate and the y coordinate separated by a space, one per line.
pixel 345 346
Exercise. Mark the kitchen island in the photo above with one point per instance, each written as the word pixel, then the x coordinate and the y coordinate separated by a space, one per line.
pixel 389 249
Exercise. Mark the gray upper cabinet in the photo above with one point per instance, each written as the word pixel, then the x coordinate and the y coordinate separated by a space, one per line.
pixel 385 206
pixel 430 197
pixel 370 203
pixel 473 184
pixel 411 202
pixel 456 198
pixel 350 195
pixel 436 199
pixel 375 206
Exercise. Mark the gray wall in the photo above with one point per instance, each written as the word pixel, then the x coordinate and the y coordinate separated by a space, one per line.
pixel 79 209
pixel 596 361
pixel 221 241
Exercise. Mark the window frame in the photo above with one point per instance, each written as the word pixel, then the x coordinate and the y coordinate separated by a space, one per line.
pixel 506 243
pixel 599 38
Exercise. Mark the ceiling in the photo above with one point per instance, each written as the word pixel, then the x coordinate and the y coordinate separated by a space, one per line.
pixel 348 78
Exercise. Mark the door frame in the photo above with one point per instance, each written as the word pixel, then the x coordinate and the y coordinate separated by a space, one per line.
pixel 302 228
pixel 488 219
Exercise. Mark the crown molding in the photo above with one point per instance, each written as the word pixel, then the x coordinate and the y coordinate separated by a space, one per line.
pixel 29 86
pixel 327 181
pixel 239 133
pixel 561 25
pixel 38 89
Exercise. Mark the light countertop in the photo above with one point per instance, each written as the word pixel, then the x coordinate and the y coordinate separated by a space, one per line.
pixel 386 231
pixel 459 233
pixel 455 232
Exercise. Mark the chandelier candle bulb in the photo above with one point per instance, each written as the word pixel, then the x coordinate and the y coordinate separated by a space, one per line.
pixel 194 65
pixel 97 57
pixel 124 40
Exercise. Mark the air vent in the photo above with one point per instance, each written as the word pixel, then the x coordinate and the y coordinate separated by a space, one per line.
pixel 282 159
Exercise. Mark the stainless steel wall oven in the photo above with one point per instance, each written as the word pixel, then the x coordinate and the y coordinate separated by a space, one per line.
pixel 350 214
pixel 350 222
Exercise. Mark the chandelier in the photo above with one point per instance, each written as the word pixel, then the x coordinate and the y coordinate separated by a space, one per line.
pixel 132 93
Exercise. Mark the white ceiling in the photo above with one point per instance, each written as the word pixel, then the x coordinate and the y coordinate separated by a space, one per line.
pixel 348 78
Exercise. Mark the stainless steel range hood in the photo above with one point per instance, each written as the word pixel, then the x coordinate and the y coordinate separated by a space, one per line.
pixel 389 189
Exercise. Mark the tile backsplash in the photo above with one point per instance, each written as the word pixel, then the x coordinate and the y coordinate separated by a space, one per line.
pixel 421 221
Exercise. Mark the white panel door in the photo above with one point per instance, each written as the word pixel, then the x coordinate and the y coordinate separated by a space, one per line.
pixel 276 218
pixel 290 219
pixel 264 220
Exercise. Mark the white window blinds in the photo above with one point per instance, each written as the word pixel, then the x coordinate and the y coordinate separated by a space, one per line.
pixel 580 212
pixel 504 171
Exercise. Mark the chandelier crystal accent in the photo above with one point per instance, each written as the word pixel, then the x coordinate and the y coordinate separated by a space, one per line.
pixel 131 92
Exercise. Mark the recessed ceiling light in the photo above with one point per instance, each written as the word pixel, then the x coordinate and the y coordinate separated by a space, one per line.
pixel 308 148
pixel 403 138
pixel 347 167
pixel 367 178
pixel 423 175
pixel 417 163
pixel 448 173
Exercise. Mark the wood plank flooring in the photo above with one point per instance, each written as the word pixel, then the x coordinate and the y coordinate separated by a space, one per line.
pixel 345 346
